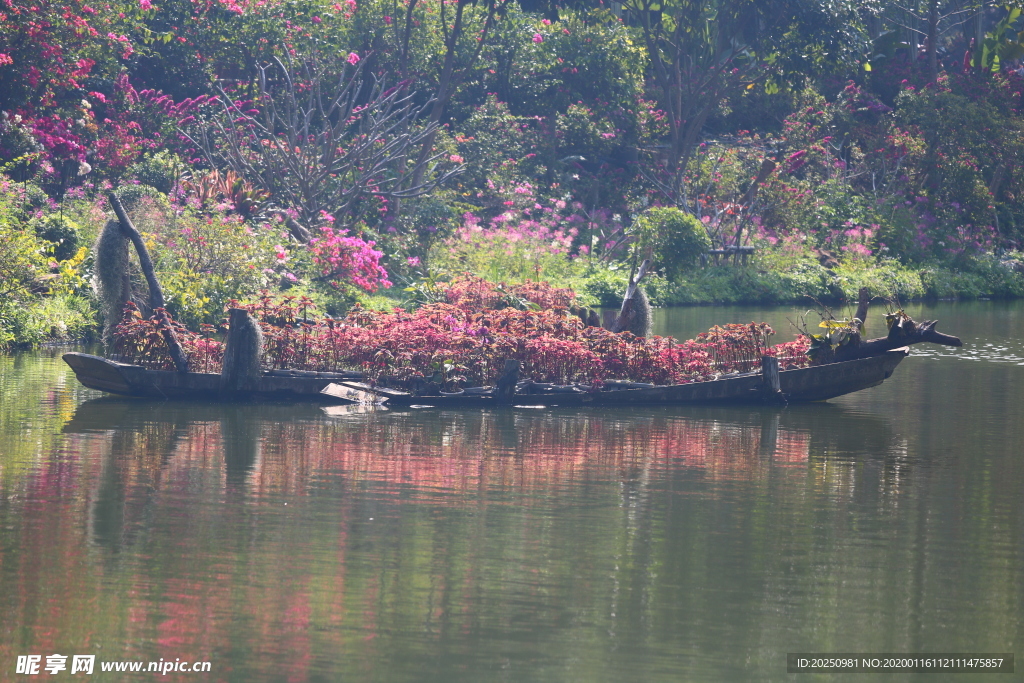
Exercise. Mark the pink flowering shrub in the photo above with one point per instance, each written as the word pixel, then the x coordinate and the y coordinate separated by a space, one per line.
pixel 514 245
pixel 342 258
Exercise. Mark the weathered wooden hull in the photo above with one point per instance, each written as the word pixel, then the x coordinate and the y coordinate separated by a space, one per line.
pixel 817 383
pixel 123 379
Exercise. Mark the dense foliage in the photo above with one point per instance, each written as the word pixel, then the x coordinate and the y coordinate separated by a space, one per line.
pixel 356 150
pixel 464 340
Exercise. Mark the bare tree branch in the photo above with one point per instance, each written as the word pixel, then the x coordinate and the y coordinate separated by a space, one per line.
pixel 319 141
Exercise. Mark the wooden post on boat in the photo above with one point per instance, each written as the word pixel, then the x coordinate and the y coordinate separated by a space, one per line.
pixel 241 370
pixel 771 386
pixel 635 314
pixel 156 294
pixel 609 319
pixel 863 301
pixel 505 391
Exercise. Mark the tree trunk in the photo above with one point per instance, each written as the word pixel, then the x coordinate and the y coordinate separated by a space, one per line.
pixel 863 300
pixel 933 37
pixel 156 295
pixel 771 384
pixel 241 369
pixel 627 312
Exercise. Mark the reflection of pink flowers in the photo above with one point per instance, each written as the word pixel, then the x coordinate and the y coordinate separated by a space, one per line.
pixel 353 58
pixel 455 159
pixel 538 38
pixel 5 59
pixel 413 260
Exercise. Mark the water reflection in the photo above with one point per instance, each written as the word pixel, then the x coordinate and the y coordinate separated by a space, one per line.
pixel 485 535
pixel 293 543
pixel 264 449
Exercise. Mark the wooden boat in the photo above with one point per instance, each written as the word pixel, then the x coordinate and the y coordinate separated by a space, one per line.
pixel 856 365
pixel 817 383
pixel 124 379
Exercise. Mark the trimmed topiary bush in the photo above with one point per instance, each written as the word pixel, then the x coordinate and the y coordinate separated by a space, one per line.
pixel 678 239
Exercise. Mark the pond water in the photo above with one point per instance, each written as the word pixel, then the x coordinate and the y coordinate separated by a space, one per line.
pixel 647 544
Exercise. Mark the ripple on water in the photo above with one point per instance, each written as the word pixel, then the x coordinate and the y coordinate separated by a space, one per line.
pixel 1003 351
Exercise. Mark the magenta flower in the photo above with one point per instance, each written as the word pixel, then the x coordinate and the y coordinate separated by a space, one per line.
pixel 538 38
pixel 353 58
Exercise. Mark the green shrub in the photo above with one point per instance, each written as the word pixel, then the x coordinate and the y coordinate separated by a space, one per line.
pixel 677 238
pixel 61 231
pixel 23 265
pixel 61 319
pixel 887 277
pixel 204 261
pixel 131 196
pixel 603 288
pixel 158 170
pixel 983 277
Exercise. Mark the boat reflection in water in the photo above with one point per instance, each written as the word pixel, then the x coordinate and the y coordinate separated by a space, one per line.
pixel 456 448
pixel 288 543
pixel 494 456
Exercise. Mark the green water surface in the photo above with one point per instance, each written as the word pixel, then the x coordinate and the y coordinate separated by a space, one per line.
pixel 294 543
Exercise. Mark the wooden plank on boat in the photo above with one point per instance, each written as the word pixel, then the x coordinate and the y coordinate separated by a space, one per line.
pixel 822 382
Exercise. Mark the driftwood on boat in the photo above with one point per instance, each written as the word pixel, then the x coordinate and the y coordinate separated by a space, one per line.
pixel 903 331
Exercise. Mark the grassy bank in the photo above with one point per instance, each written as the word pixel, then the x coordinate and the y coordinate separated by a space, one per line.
pixel 754 284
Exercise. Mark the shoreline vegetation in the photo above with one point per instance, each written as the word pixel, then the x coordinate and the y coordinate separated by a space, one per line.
pixel 367 153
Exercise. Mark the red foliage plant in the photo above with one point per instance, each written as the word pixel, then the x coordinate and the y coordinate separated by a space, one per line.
pixel 465 342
